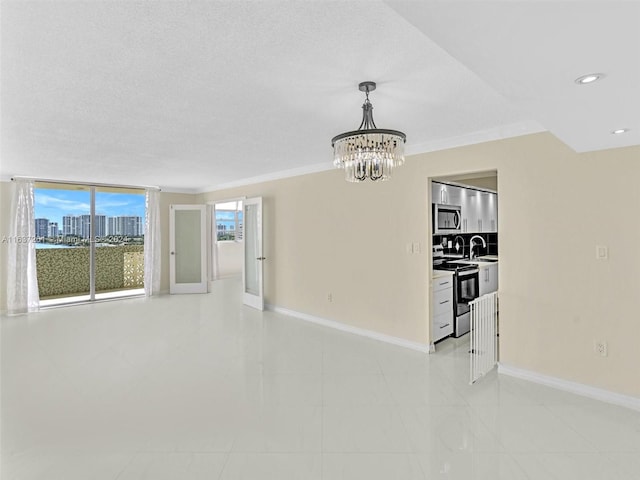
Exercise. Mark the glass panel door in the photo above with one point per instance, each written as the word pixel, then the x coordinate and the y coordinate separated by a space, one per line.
pixel 119 241
pixel 252 272
pixel 90 242
pixel 188 249
pixel 63 240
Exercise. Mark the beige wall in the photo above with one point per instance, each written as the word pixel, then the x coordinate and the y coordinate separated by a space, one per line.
pixel 324 235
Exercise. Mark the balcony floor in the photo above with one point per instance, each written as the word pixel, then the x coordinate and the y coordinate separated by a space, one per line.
pixel 111 295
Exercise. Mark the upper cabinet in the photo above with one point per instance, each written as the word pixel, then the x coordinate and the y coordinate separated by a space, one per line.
pixel 480 212
pixel 446 194
pixel 479 209
pixel 440 193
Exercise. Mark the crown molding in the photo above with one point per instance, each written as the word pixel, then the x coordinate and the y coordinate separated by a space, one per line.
pixel 498 133
pixel 269 177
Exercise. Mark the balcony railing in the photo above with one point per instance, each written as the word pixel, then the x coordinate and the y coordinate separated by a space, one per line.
pixel 64 272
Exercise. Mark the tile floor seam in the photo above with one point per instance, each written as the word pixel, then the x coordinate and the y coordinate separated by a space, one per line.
pixel 572 428
pixel 431 390
pixel 404 426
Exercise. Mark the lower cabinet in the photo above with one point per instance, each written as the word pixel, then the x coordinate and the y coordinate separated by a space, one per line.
pixel 442 325
pixel 488 279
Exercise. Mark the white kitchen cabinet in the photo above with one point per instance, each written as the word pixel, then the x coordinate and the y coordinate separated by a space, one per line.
pixel 489 212
pixel 479 211
pixel 442 325
pixel 470 211
pixel 488 278
pixel 438 193
pixel 445 194
pixel 453 195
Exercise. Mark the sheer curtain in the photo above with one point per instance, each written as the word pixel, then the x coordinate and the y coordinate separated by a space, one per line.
pixel 215 254
pixel 152 243
pixel 214 266
pixel 22 277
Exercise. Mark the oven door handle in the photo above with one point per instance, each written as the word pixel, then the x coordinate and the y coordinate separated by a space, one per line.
pixel 465 273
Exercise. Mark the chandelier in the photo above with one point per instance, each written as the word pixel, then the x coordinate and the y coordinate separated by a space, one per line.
pixel 369 152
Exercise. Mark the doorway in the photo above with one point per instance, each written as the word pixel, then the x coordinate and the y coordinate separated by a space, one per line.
pixel 228 239
pixel 463 223
pixel 236 247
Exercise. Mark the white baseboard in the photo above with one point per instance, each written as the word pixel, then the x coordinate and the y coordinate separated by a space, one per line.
pixel 573 387
pixel 421 347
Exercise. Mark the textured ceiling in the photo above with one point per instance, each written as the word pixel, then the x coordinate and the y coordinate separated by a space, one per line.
pixel 194 95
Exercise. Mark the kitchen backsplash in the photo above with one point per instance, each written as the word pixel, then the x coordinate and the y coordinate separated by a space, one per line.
pixel 490 238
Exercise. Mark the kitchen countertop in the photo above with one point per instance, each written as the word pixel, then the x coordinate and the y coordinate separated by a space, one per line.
pixel 482 264
pixel 479 262
pixel 442 273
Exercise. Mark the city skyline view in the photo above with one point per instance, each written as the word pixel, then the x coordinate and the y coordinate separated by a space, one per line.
pixel 54 204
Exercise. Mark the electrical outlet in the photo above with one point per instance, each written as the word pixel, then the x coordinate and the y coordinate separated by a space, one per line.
pixel 600 347
pixel 330 297
pixel 409 248
pixel 602 252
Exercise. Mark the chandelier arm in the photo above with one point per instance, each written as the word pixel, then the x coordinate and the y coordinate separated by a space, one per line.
pixel 364 119
pixel 370 123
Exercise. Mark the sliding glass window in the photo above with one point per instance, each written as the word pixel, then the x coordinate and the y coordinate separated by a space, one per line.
pixel 90 242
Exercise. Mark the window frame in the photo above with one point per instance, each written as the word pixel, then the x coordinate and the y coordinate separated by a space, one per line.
pixel 91 188
pixel 239 225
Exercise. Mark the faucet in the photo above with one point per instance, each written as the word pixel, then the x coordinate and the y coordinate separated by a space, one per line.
pixel 484 244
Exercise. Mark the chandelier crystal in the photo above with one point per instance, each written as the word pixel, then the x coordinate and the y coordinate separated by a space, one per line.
pixel 368 152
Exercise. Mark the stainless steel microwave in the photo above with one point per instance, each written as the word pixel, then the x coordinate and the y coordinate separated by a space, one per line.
pixel 447 218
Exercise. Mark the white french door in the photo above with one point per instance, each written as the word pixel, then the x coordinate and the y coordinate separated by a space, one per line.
pixel 188 249
pixel 252 269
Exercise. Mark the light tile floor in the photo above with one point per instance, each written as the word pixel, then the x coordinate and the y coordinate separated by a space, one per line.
pixel 199 387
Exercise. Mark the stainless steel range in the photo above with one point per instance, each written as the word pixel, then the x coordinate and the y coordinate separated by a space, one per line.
pixel 466 289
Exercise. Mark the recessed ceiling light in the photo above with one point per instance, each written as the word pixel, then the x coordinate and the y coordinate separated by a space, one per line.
pixel 589 78
pixel 620 131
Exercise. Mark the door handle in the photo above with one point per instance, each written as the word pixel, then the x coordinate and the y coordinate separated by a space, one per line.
pixel 173 253
pixel 261 258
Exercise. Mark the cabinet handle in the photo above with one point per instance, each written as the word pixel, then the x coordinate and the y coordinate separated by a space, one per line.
pixel 446 301
pixel 444 326
pixel 443 283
